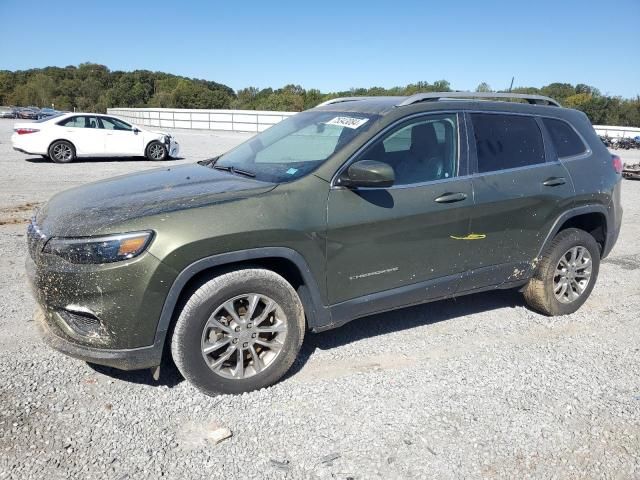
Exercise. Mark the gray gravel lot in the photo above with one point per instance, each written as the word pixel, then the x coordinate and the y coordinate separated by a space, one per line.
pixel 479 387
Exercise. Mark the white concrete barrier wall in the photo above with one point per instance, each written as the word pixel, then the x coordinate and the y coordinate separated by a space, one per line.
pixel 254 120
pixel 230 120
pixel 617 132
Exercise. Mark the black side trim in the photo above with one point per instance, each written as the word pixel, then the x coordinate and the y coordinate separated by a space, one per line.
pixel 317 313
pixel 395 298
pixel 574 212
pixel 494 277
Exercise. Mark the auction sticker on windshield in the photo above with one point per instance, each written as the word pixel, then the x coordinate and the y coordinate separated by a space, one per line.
pixel 349 122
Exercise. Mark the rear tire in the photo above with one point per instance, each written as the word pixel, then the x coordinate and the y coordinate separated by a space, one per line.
pixel 156 151
pixel 238 332
pixel 62 151
pixel 565 275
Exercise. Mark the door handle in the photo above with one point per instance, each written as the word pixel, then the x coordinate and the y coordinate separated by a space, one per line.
pixel 451 197
pixel 554 181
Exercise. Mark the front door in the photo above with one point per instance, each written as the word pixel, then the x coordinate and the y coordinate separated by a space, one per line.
pixel 120 138
pixel 402 236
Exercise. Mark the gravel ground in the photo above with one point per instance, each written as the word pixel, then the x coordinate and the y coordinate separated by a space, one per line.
pixel 478 387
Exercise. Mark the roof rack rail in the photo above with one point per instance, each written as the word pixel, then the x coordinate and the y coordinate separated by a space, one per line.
pixel 342 99
pixel 435 96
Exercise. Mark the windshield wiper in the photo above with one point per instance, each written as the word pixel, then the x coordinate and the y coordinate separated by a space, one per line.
pixel 235 170
pixel 246 173
pixel 209 161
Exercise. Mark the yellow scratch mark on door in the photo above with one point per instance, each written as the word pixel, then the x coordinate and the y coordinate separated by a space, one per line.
pixel 471 236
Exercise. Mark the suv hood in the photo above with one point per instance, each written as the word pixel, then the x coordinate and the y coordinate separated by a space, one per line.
pixel 93 208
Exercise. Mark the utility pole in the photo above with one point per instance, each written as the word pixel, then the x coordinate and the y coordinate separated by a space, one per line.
pixel 511 86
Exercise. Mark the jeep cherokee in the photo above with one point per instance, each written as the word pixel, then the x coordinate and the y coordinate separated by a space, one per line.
pixel 360 205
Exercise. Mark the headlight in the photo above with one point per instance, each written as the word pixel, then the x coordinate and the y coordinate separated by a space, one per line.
pixel 112 248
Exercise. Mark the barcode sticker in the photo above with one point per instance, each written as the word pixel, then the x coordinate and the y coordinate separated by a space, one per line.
pixel 349 122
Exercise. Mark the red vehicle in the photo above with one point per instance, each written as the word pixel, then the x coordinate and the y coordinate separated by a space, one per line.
pixel 28 113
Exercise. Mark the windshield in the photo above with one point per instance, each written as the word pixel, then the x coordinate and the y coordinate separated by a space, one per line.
pixel 296 146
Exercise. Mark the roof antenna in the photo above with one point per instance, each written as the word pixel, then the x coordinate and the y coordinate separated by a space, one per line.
pixel 511 86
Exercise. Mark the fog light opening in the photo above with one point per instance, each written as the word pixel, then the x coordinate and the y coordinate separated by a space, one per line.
pixel 82 322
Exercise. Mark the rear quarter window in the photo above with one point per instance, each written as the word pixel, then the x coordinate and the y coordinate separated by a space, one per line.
pixel 564 138
pixel 506 141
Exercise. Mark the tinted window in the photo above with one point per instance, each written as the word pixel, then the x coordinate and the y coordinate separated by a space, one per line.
pixel 109 123
pixel 80 121
pixel 564 138
pixel 506 141
pixel 420 151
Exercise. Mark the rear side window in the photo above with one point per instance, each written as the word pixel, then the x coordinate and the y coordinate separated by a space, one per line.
pixel 506 141
pixel 564 138
pixel 79 122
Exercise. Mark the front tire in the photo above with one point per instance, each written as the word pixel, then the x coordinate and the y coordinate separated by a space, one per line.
pixel 156 151
pixel 62 151
pixel 238 332
pixel 566 274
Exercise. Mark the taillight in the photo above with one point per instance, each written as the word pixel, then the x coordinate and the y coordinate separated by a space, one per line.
pixel 616 161
pixel 24 131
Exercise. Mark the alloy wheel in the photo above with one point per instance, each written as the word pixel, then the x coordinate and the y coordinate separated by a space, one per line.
pixel 62 152
pixel 244 336
pixel 156 151
pixel 572 274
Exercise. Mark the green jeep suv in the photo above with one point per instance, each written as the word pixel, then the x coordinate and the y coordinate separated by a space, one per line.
pixel 360 205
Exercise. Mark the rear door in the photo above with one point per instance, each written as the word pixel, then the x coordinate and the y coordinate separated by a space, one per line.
pixel 84 132
pixel 384 238
pixel 520 189
pixel 120 138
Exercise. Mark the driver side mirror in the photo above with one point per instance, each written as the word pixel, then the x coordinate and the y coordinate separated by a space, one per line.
pixel 369 174
pixel 136 130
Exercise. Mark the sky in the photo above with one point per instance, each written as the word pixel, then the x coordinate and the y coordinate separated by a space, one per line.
pixel 336 45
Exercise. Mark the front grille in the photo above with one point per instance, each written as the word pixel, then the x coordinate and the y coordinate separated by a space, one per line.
pixel 35 239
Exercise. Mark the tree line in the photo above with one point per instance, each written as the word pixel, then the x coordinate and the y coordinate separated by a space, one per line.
pixel 93 87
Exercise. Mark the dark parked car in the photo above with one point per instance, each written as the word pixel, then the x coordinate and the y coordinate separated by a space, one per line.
pixel 358 206
pixel 48 112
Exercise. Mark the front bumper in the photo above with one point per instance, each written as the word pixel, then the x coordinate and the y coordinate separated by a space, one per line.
pixel 106 314
pixel 125 359
pixel 174 149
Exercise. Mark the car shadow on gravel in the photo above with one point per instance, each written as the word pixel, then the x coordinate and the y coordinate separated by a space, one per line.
pixel 366 327
pixel 404 319
pixel 169 374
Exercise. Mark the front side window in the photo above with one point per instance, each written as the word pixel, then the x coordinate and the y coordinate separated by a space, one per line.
pixel 565 140
pixel 422 150
pixel 109 123
pixel 296 146
pixel 80 121
pixel 506 141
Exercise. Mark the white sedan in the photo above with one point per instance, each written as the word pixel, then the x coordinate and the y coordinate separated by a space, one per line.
pixel 65 137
